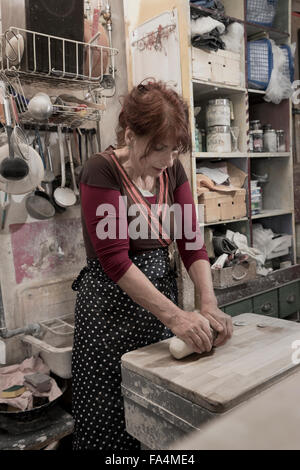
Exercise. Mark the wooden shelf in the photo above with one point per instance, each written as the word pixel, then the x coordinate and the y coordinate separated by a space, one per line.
pixel 213 155
pixel 214 88
pixel 276 34
pixel 269 155
pixel 271 213
pixel 219 222
pixel 256 92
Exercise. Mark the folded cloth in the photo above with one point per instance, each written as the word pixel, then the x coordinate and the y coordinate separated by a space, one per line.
pixel 224 245
pixel 14 375
pixel 209 41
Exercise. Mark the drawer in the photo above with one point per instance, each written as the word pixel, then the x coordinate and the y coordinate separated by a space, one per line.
pixel 289 299
pixel 244 306
pixel 266 304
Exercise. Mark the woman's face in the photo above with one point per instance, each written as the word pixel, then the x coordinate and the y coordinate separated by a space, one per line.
pixel 160 158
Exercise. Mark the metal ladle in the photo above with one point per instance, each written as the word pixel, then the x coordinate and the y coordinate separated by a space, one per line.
pixel 63 196
pixel 11 168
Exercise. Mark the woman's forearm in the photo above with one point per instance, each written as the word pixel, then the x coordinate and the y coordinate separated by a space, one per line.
pixel 200 273
pixel 144 293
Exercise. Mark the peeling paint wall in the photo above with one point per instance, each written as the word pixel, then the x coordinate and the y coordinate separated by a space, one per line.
pixel 40 252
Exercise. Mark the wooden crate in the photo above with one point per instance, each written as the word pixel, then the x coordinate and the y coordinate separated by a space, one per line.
pixel 234 275
pixel 223 206
pixel 220 66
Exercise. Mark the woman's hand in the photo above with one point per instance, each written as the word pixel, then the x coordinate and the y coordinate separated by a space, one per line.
pixel 194 330
pixel 219 321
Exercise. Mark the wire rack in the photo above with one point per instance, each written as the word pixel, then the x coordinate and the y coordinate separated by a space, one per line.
pixel 20 52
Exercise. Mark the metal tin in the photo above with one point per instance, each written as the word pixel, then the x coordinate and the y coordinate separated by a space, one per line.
pixel 218 113
pixel 219 139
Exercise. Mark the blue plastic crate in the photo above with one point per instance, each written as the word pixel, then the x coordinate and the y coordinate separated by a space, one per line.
pixel 289 68
pixel 260 63
pixel 261 12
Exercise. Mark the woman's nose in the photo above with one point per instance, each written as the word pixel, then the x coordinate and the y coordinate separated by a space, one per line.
pixel 170 159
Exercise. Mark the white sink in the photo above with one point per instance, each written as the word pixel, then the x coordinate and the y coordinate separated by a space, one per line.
pixel 55 344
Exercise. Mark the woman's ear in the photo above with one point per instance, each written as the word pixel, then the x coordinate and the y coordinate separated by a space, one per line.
pixel 129 137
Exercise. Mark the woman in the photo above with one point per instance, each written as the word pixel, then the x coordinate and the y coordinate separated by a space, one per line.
pixel 127 295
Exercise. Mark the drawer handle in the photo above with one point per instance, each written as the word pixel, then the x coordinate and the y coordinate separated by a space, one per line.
pixel 291 299
pixel 266 307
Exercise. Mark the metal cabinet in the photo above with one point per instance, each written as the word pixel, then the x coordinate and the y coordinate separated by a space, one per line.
pixel 289 299
pixel 239 307
pixel 266 304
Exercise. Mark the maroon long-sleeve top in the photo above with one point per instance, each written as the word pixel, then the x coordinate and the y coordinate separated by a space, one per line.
pixel 108 196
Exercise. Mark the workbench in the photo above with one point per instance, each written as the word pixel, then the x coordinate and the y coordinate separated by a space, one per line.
pixel 270 421
pixel 166 399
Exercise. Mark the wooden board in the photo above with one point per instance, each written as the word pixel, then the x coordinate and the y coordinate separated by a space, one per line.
pixel 252 360
pixel 270 421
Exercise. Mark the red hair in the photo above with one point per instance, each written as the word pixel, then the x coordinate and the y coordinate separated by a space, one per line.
pixel 156 111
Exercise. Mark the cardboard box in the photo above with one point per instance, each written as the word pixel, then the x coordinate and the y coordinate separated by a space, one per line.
pixel 223 206
pixel 220 66
pixel 234 275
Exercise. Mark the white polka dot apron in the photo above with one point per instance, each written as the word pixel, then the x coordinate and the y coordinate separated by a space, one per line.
pixel 108 323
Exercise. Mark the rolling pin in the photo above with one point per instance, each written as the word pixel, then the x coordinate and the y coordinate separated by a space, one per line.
pixel 179 349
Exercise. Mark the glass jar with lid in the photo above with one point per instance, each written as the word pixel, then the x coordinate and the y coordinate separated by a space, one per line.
pixel 257 140
pixel 255 125
pixel 218 113
pixel 270 141
pixel 281 147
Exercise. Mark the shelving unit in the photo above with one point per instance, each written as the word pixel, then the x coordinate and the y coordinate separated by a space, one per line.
pixel 249 104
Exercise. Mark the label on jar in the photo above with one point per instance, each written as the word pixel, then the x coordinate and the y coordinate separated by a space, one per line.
pixel 218 142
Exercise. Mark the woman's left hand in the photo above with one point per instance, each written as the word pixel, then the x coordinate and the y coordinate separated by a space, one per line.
pixel 219 321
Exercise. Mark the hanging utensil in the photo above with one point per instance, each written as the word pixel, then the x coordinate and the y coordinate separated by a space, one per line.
pixel 5 206
pixel 48 176
pixel 11 168
pixel 51 175
pixel 39 206
pixel 68 140
pixel 77 153
pixel 19 138
pixel 31 181
pixel 63 196
pixel 91 136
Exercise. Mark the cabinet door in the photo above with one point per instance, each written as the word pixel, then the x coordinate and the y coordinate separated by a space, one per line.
pixel 289 299
pixel 239 307
pixel 266 304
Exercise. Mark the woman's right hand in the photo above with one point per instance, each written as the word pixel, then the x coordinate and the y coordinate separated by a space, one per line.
pixel 194 329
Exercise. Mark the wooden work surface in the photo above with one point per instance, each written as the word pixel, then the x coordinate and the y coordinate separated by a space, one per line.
pixel 269 421
pixel 252 360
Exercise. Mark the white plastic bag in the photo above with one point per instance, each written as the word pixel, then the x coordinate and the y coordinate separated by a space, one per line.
pixel 280 87
pixel 234 37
